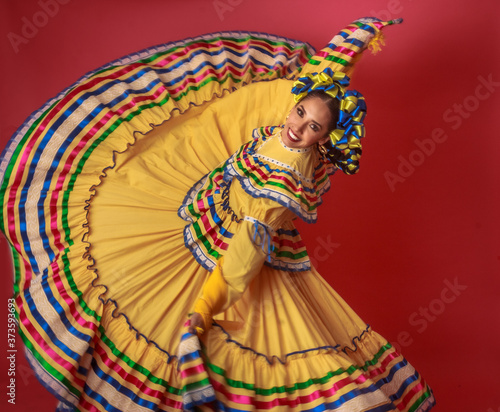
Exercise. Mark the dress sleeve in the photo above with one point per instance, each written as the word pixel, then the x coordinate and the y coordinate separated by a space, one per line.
pixel 248 250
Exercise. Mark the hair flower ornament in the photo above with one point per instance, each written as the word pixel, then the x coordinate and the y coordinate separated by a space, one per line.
pixel 344 149
pixel 330 82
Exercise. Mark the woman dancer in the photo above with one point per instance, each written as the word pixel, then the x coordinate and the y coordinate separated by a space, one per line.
pixel 127 207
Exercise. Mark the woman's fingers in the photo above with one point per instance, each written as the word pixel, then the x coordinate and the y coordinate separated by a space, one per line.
pixel 197 323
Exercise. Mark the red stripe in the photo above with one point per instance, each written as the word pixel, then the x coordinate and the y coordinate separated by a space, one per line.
pixel 283 178
pixel 72 305
pixel 420 387
pixel 180 88
pixel 212 232
pixel 87 405
pixel 187 50
pixel 45 347
pixel 289 243
pixel 140 384
pixel 391 356
pixel 290 403
pixel 346 51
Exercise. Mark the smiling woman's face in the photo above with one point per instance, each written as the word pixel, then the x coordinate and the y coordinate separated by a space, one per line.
pixel 308 124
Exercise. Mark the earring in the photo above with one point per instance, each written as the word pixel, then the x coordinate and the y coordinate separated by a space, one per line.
pixel 322 149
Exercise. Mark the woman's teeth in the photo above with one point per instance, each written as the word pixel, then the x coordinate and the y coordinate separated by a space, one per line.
pixel 292 137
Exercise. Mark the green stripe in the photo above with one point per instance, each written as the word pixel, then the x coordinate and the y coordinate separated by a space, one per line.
pixel 133 365
pixel 310 207
pixel 301 385
pixel 291 255
pixel 75 290
pixel 376 357
pixel 209 185
pixel 260 183
pixel 207 243
pixel 17 269
pixel 420 401
pixel 196 385
pixel 336 59
pixel 280 389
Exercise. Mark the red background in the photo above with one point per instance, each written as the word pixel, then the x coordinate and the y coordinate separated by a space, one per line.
pixel 391 249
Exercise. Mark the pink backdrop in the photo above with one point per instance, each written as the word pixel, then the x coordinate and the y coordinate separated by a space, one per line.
pixel 412 241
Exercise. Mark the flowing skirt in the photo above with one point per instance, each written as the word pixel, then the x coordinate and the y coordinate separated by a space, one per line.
pixel 91 187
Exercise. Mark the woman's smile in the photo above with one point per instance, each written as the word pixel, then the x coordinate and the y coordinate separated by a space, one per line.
pixel 307 124
pixel 292 136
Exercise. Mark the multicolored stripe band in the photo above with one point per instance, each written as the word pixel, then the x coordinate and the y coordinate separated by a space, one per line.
pixel 383 382
pixel 348 44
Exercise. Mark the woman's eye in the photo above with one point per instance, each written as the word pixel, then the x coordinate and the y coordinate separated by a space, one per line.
pixel 299 112
pixel 314 127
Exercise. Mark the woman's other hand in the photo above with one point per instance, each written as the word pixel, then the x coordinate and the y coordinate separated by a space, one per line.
pixel 197 324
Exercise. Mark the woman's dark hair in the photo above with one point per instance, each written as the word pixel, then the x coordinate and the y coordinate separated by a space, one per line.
pixel 332 104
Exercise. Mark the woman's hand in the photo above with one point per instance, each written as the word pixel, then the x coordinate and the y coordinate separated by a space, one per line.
pixel 196 322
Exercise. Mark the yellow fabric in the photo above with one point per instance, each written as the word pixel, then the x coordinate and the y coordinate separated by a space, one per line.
pixel 242 263
pixel 137 243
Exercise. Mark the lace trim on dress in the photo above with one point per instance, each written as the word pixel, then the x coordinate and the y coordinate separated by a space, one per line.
pixel 292 149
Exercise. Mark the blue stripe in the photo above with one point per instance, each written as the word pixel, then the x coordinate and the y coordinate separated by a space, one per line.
pixel 367 27
pixel 50 383
pixel 219 222
pixel 292 233
pixel 119 388
pixel 188 357
pixel 274 58
pixel 405 384
pixel 326 406
pixel 62 316
pixel 355 42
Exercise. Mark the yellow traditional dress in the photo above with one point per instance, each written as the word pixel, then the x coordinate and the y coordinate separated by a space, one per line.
pixel 122 195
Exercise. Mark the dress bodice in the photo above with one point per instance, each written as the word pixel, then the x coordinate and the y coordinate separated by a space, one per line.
pixel 264 183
